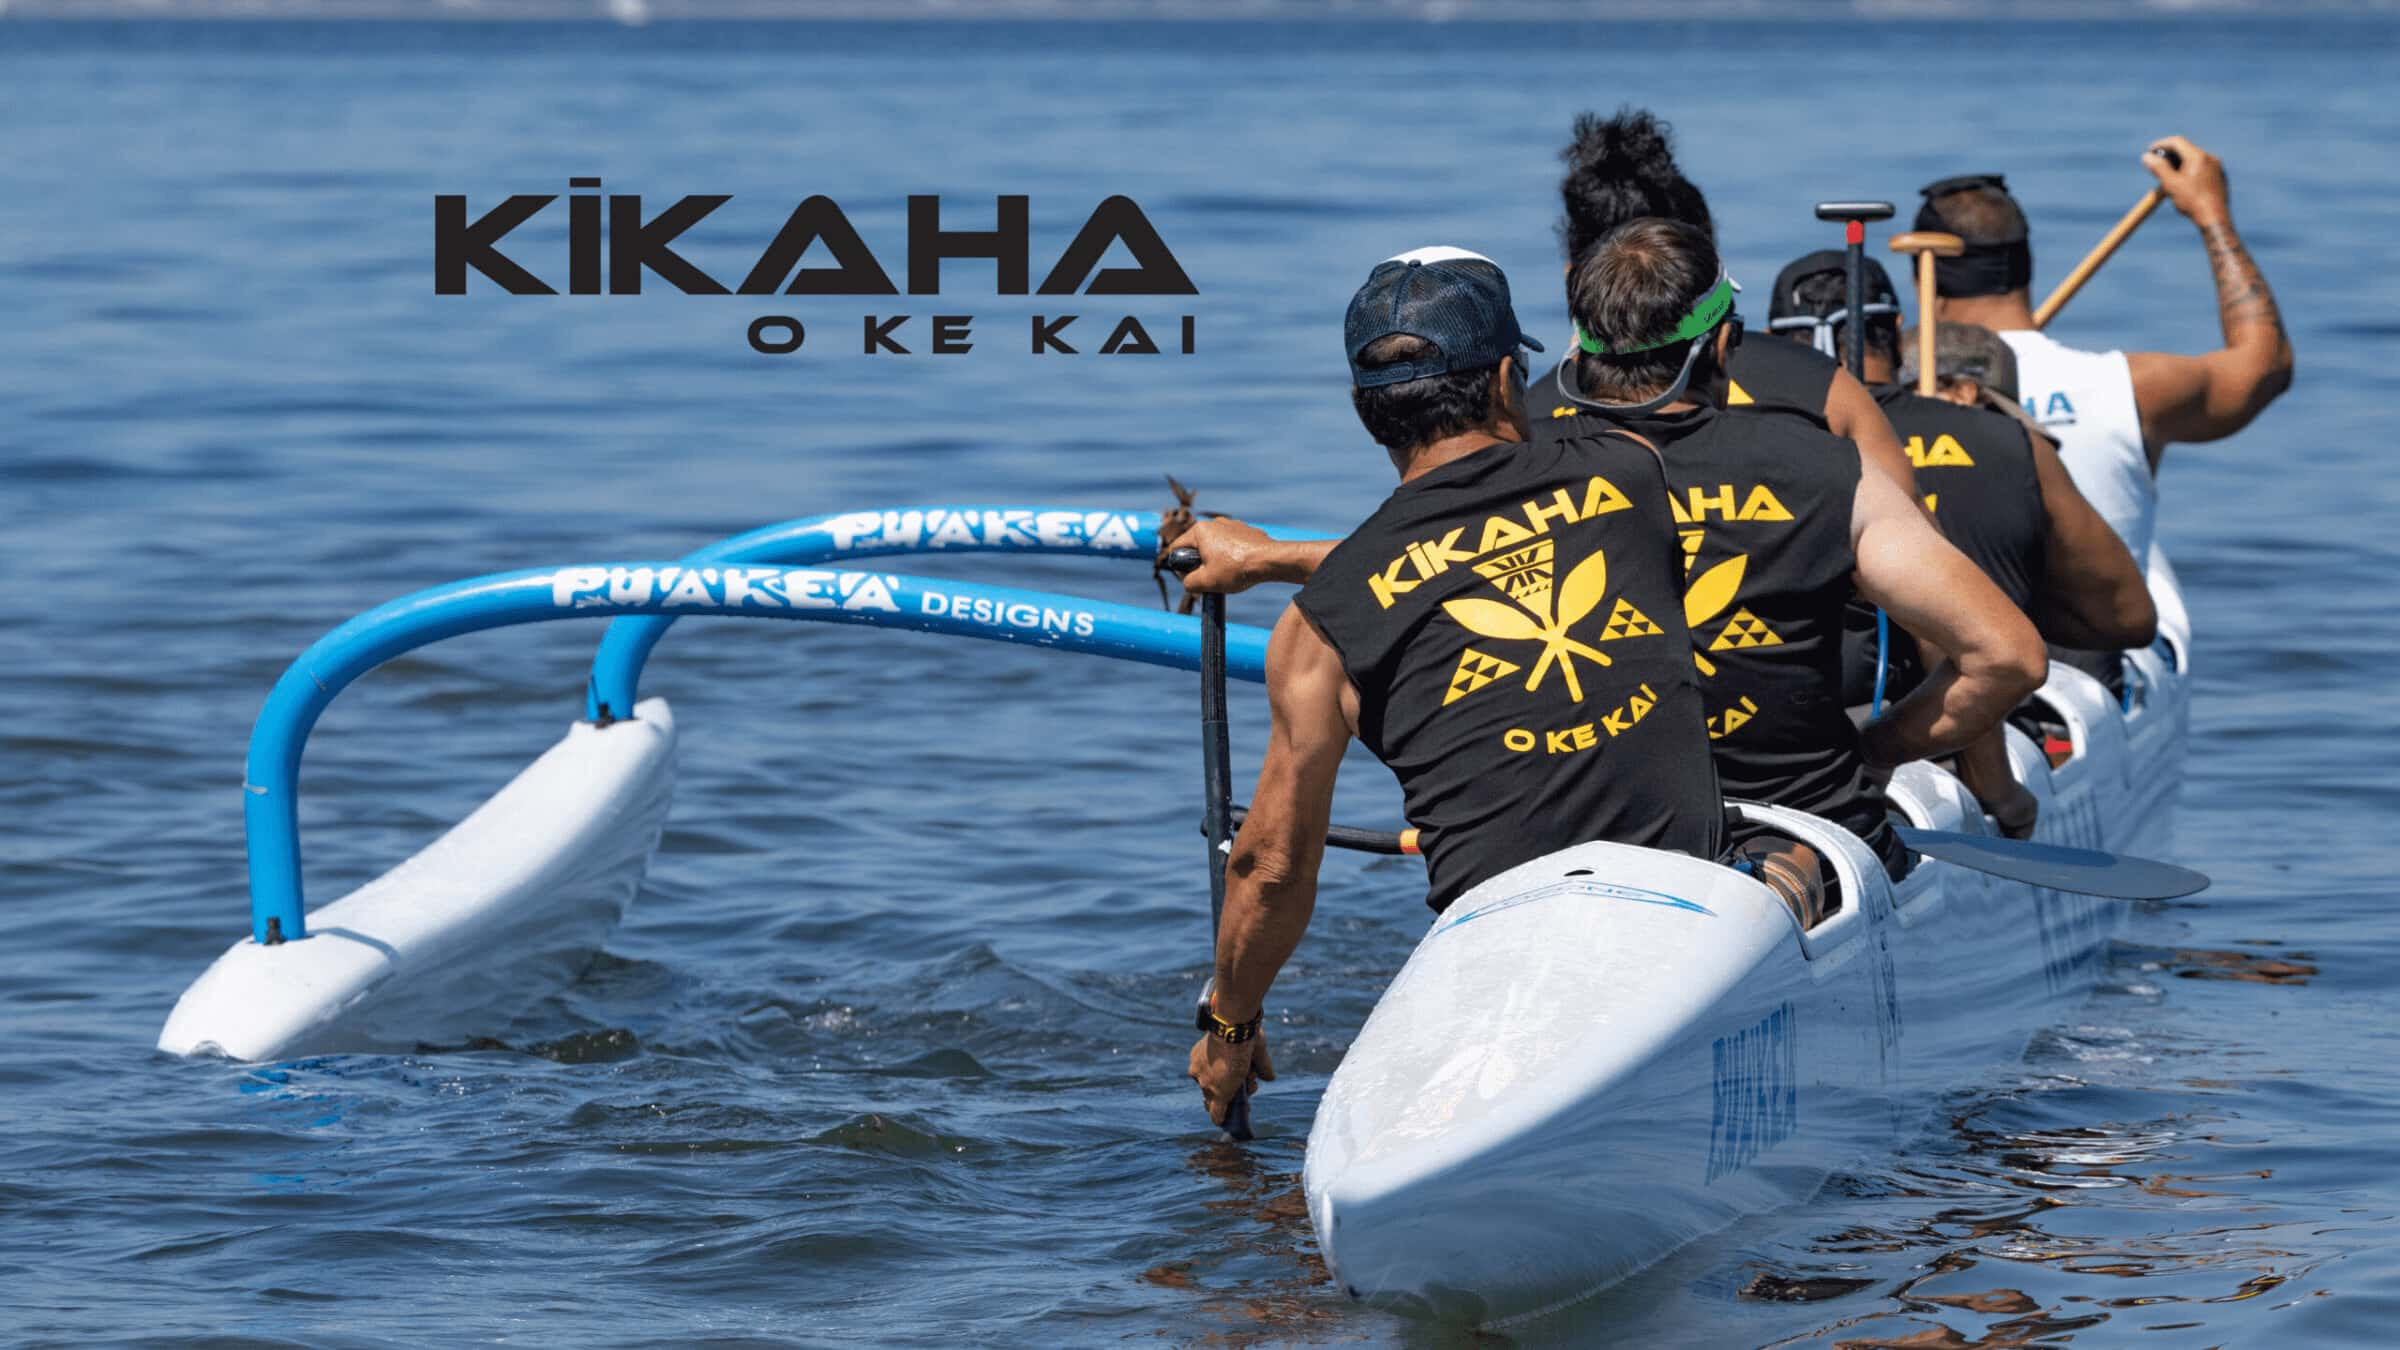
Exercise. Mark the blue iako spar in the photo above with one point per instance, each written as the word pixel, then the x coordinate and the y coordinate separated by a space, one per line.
pixel 849 535
pixel 729 579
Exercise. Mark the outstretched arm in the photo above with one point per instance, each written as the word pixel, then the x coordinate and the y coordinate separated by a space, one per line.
pixel 2210 397
pixel 2093 595
pixel 1995 658
pixel 1235 556
pixel 1271 879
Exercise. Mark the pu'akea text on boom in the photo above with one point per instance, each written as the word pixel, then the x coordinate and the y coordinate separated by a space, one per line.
pixel 636 244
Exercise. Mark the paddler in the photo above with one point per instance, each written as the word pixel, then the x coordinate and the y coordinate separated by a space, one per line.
pixel 2114 412
pixel 1781 525
pixel 1505 633
pixel 1996 489
pixel 1623 167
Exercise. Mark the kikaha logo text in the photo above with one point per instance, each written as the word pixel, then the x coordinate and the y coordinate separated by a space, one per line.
pixel 614 245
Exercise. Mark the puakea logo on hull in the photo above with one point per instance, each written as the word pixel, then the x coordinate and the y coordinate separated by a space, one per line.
pixel 616 247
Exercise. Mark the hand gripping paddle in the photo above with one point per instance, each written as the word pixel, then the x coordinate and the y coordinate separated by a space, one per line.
pixel 1216 764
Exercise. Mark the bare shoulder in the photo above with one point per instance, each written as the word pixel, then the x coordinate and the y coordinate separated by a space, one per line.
pixel 1308 688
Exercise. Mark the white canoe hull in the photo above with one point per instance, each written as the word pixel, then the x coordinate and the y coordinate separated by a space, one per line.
pixel 1609 1052
pixel 501 911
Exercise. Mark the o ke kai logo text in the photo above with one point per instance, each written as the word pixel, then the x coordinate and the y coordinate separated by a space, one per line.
pixel 614 246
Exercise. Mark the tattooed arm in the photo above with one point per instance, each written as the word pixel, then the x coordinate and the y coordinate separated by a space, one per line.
pixel 2207 398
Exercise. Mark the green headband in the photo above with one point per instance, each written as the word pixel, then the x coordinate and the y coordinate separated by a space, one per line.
pixel 1707 312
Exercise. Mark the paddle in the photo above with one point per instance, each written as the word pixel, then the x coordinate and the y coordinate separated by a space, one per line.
pixel 2083 871
pixel 1927 246
pixel 1854 217
pixel 1216 767
pixel 1357 840
pixel 2106 248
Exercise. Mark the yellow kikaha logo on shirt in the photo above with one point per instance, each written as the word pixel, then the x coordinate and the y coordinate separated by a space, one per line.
pixel 1760 504
pixel 1531 619
pixel 1475 670
pixel 1946 453
pixel 1745 629
pixel 1626 621
pixel 1707 597
pixel 1524 573
pixel 1524 627
pixel 1429 558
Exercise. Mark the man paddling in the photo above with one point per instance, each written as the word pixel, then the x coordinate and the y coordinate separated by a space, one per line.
pixel 1781 526
pixel 1504 633
pixel 1995 488
pixel 2114 413
pixel 1623 167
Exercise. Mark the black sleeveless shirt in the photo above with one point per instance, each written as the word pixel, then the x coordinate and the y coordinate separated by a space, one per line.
pixel 1513 624
pixel 1769 371
pixel 1762 498
pixel 1975 473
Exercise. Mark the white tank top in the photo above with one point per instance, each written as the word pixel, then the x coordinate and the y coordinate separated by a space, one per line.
pixel 2085 399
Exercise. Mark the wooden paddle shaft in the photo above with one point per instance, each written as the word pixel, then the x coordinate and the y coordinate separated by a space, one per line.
pixel 2107 247
pixel 1927 245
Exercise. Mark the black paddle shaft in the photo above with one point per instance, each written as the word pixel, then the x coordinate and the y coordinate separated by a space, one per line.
pixel 1216 751
pixel 1854 217
pixel 1216 771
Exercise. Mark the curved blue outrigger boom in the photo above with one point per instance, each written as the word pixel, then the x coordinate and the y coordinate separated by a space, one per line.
pixel 849 535
pixel 756 575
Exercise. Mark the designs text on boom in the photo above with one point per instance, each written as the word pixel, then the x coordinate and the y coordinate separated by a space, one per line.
pixel 634 243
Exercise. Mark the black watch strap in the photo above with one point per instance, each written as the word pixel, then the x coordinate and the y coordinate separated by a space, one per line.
pixel 1232 1033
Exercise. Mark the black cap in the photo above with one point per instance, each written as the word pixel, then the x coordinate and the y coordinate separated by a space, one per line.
pixel 1930 219
pixel 1785 302
pixel 1455 300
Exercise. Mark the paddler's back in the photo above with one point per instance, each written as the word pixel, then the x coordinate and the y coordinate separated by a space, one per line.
pixel 1512 622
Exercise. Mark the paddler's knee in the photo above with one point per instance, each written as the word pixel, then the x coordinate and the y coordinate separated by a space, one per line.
pixel 1789 868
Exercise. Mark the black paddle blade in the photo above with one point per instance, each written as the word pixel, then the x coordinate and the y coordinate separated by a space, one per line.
pixel 1237 1120
pixel 2080 871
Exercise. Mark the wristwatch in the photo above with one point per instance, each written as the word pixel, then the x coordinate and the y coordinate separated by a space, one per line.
pixel 1232 1033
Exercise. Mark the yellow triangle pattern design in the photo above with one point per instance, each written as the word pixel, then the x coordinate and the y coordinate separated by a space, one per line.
pixel 1475 670
pixel 1745 629
pixel 1625 621
pixel 1523 575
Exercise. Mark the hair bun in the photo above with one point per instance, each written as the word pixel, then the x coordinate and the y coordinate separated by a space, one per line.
pixel 1632 144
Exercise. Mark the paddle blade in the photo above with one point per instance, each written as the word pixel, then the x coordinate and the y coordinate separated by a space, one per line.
pixel 1237 1120
pixel 2080 871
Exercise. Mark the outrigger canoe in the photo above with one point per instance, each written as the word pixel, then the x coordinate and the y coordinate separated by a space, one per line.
pixel 1587 1062
pixel 1605 1053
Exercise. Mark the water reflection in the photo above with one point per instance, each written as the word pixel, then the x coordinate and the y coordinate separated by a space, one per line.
pixel 1254 1268
pixel 2012 1267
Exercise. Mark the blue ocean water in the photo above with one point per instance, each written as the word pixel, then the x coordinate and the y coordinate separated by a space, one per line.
pixel 889 1050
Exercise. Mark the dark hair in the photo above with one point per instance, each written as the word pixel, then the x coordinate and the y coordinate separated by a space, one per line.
pixel 1822 293
pixel 1416 412
pixel 1982 214
pixel 1621 169
pixel 1635 286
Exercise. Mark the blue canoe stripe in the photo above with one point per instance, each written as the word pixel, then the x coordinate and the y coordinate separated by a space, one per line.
pixel 1607 890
